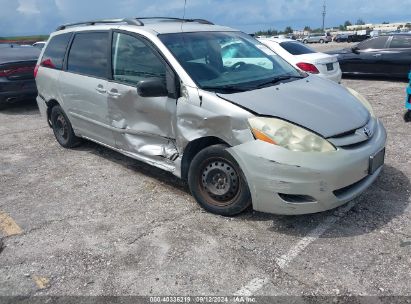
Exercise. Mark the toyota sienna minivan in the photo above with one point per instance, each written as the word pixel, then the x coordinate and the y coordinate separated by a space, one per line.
pixel 213 106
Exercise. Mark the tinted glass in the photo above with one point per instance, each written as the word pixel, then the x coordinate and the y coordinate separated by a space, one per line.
pixel 134 60
pixel 296 48
pixel 373 43
pixel 88 54
pixel 226 61
pixel 56 50
pixel 400 42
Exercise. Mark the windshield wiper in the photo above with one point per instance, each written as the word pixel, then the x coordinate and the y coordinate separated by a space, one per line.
pixel 278 79
pixel 226 89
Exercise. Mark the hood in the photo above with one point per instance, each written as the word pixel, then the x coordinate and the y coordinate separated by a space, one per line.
pixel 322 106
pixel 341 51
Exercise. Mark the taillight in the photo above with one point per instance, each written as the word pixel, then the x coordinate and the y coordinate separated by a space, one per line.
pixel 308 67
pixel 36 69
pixel 409 99
pixel 48 63
pixel 3 73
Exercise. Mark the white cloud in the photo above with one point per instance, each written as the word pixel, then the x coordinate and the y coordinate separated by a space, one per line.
pixel 28 7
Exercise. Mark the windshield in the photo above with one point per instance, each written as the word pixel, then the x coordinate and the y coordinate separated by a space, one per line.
pixel 223 61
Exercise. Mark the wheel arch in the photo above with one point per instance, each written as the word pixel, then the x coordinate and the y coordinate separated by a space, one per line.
pixel 193 148
pixel 50 105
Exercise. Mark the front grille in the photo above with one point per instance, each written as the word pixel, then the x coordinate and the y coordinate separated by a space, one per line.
pixel 355 138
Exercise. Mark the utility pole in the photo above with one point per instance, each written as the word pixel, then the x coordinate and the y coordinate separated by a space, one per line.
pixel 324 13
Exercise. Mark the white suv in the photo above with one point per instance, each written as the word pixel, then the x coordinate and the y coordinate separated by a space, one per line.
pixel 213 106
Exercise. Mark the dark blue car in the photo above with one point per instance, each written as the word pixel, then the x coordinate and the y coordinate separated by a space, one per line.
pixel 16 73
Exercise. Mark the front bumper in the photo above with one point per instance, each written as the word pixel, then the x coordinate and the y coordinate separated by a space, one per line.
pixel 331 179
pixel 336 77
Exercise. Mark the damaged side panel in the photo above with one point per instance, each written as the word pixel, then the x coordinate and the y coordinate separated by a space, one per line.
pixel 201 114
pixel 143 127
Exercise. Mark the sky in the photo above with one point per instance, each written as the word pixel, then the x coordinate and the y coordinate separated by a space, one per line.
pixel 27 17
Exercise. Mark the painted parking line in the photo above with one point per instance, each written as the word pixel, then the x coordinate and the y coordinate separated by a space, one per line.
pixel 252 287
pixel 8 226
pixel 313 235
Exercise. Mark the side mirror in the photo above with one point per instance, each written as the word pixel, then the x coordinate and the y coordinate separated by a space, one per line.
pixel 355 50
pixel 152 87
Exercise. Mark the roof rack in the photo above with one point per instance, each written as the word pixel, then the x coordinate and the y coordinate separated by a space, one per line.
pixel 202 21
pixel 131 21
pixel 106 21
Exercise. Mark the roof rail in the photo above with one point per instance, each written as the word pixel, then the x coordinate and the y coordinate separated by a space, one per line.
pixel 202 21
pixel 106 21
pixel 131 21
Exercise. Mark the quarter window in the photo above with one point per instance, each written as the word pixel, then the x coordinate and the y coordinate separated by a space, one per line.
pixel 133 60
pixel 55 51
pixel 88 54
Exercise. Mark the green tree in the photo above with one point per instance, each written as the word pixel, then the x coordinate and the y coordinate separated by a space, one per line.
pixel 347 23
pixel 385 22
pixel 288 30
pixel 360 22
pixel 342 27
pixel 307 28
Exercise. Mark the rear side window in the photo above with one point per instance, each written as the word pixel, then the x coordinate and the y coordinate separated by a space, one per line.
pixel 400 42
pixel 296 48
pixel 373 43
pixel 55 51
pixel 88 54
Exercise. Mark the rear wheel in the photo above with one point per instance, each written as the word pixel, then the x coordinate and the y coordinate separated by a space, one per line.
pixel 305 41
pixel 407 116
pixel 217 182
pixel 321 41
pixel 62 128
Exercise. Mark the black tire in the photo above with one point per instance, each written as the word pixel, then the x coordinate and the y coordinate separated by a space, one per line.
pixel 407 116
pixel 305 41
pixel 217 182
pixel 62 128
pixel 321 41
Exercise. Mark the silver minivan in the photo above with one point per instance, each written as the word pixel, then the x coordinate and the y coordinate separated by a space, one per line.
pixel 216 108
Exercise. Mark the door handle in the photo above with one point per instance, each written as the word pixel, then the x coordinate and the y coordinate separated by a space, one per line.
pixel 101 89
pixel 114 93
pixel 377 55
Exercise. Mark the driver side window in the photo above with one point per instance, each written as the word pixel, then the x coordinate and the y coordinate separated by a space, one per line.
pixel 133 60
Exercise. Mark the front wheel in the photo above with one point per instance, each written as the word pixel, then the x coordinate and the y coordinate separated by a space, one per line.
pixel 305 41
pixel 321 41
pixel 407 116
pixel 217 182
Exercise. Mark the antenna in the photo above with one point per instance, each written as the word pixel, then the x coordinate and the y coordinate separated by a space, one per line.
pixel 324 14
pixel 185 4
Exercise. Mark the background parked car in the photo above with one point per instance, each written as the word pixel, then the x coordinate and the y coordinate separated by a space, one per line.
pixel 341 38
pixel 16 73
pixel 317 38
pixel 380 56
pixel 40 44
pixel 304 58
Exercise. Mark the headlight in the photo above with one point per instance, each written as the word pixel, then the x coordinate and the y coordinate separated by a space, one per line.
pixel 287 135
pixel 363 100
